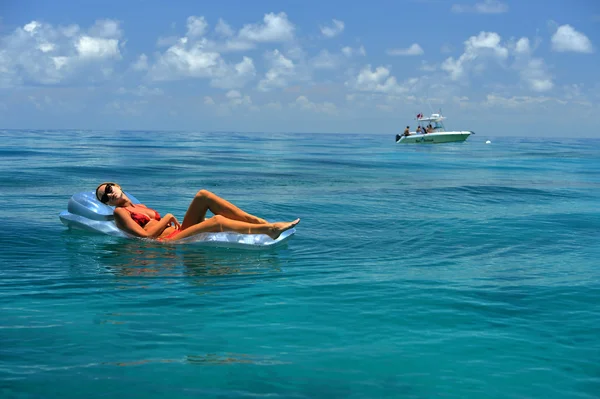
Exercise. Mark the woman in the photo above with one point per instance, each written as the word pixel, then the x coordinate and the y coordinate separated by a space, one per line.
pixel 141 221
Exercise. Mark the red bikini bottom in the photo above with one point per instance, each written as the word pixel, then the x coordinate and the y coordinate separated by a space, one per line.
pixel 171 235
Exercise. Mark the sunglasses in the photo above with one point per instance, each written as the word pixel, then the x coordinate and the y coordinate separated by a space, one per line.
pixel 108 189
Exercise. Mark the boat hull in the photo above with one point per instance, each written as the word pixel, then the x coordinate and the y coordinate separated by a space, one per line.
pixel 435 138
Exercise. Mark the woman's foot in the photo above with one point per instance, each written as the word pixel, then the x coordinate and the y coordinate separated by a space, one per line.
pixel 280 227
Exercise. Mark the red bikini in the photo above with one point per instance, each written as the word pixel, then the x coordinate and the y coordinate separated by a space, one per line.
pixel 141 218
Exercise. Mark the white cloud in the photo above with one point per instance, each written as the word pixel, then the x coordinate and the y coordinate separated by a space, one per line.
pixel 106 28
pixel 233 94
pixel 208 100
pixel 533 71
pixel 69 31
pixel 445 49
pixel 567 38
pixel 325 60
pixel 378 81
pixel 426 67
pixel 522 46
pixel 196 26
pixel 414 49
pixel 126 108
pixel 477 48
pixel 196 60
pixel 195 56
pixel 141 64
pixel 486 7
pixel 183 60
pixel 232 76
pixel 46 47
pixel 94 47
pixel 276 28
pixel 141 91
pixel 517 101
pixel 223 29
pixel 281 70
pixel 331 31
pixel 349 51
pixel 236 99
pixel 535 75
pixel 44 54
pixel 304 103
pixel 167 41
pixel 276 106
pixel 237 44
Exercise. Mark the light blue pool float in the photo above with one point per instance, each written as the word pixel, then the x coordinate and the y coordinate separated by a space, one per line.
pixel 85 212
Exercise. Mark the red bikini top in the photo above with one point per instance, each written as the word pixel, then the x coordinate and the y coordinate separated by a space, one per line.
pixel 141 218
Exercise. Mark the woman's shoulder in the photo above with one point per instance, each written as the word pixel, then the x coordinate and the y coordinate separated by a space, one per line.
pixel 121 212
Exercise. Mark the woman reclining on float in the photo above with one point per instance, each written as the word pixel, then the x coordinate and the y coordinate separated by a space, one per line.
pixel 141 221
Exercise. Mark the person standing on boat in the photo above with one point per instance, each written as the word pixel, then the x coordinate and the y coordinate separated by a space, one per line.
pixel 407 131
pixel 419 131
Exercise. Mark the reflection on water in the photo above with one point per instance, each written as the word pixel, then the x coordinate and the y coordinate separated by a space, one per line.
pixel 143 258
pixel 210 263
pixel 206 359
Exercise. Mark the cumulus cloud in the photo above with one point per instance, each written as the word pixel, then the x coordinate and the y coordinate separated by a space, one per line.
pixel 95 47
pixel 196 26
pixel 532 71
pixel 281 70
pixel 195 59
pixel 426 67
pixel 536 76
pixel 41 53
pixel 349 51
pixel 304 103
pixel 141 64
pixel 517 101
pixel 236 99
pixel 105 28
pixel 331 31
pixel 184 60
pixel 566 38
pixel 275 105
pixel 232 76
pixel 477 48
pixel 141 91
pixel 276 28
pixel 379 81
pixel 325 60
pixel 522 46
pixel 414 49
pixel 486 7
pixel 223 29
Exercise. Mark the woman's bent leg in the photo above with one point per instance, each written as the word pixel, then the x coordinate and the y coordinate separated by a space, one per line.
pixel 205 201
pixel 220 223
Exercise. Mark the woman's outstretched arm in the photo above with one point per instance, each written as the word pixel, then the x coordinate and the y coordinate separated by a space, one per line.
pixel 124 221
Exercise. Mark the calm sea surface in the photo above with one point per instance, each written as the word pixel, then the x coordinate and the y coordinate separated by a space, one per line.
pixel 455 270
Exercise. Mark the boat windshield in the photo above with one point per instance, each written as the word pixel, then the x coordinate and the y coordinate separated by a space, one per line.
pixel 438 126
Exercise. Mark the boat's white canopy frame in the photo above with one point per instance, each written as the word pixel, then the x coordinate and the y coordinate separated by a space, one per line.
pixel 436 119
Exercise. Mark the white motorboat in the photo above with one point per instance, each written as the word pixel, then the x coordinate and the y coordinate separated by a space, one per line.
pixel 434 133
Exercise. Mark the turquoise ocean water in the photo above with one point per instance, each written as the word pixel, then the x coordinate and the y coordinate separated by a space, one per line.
pixel 455 270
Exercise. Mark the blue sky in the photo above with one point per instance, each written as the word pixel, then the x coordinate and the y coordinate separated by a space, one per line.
pixel 496 67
